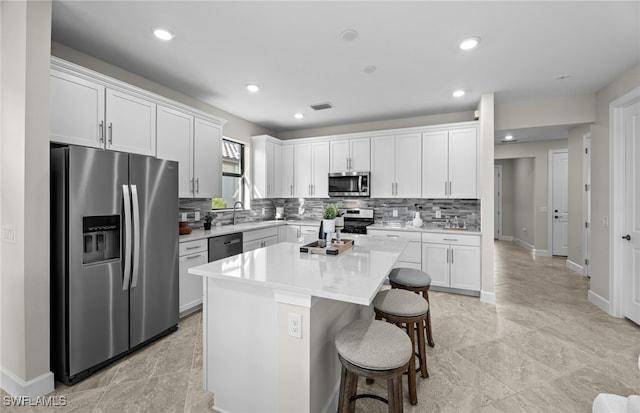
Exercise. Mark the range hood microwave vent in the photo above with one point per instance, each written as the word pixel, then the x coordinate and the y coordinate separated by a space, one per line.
pixel 321 106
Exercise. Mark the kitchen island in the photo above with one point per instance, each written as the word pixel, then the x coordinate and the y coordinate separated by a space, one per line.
pixel 255 306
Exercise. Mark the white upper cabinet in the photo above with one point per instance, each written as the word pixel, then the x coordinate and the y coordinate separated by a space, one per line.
pixel 196 145
pixel 396 166
pixel 449 161
pixel 77 110
pixel 287 172
pixel 175 142
pixel 89 114
pixel 207 155
pixel 350 155
pixel 131 123
pixel 267 167
pixel 311 170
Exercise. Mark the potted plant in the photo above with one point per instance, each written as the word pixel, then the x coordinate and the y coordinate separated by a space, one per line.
pixel 329 218
pixel 207 218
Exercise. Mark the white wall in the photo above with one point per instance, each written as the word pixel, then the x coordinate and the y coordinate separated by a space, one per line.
pixel 571 110
pixel 486 192
pixel 24 268
pixel 523 183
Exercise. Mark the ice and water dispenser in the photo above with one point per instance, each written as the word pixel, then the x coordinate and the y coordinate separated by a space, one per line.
pixel 101 238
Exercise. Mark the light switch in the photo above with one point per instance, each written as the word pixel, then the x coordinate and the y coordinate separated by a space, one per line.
pixel 197 216
pixel 183 216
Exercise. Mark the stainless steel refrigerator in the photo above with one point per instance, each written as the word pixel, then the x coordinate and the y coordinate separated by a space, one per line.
pixel 114 256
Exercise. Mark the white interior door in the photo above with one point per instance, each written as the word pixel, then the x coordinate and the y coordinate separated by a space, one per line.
pixel 559 203
pixel 631 243
pixel 497 201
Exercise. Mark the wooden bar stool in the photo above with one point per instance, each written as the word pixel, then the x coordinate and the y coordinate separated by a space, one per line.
pixel 417 281
pixel 374 350
pixel 406 309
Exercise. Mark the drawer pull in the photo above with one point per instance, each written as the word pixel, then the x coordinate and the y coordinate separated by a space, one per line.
pixel 449 239
pixel 193 248
pixel 193 257
pixel 393 236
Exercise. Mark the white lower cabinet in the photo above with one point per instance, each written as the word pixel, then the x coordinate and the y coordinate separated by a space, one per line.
pixel 259 238
pixel 452 261
pixel 192 253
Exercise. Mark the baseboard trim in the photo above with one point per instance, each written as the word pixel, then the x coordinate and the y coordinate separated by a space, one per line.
pixel 15 386
pixel 599 302
pixel 524 244
pixel 575 267
pixel 506 238
pixel 542 253
pixel 488 297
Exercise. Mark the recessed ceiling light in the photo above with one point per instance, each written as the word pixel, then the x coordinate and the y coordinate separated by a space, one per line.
pixel 563 77
pixel 508 138
pixel 368 69
pixel 469 43
pixel 252 87
pixel 349 35
pixel 298 115
pixel 458 93
pixel 163 34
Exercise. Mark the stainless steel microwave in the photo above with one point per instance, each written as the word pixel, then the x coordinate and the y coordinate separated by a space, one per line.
pixel 349 184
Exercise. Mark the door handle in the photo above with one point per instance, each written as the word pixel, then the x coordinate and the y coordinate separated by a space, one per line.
pixel 127 237
pixel 136 235
pixel 627 237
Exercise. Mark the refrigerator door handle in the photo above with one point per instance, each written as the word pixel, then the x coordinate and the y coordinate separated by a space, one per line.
pixel 136 235
pixel 127 237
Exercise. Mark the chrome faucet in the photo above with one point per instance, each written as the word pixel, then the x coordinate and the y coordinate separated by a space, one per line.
pixel 234 210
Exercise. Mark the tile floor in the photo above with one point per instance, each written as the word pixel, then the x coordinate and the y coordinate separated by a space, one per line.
pixel 542 348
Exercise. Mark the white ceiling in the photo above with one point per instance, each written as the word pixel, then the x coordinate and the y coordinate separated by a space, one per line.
pixel 293 50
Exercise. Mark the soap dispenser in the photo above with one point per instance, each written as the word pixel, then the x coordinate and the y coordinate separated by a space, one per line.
pixel 417 221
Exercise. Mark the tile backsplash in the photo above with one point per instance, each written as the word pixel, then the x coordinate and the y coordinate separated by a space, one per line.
pixel 466 210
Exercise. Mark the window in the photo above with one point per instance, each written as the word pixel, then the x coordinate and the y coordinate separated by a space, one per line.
pixel 232 175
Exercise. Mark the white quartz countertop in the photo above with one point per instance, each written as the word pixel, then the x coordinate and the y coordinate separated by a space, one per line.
pixel 200 233
pixel 353 276
pixel 424 228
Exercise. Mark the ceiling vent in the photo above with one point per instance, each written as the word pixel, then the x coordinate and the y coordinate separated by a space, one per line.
pixel 321 106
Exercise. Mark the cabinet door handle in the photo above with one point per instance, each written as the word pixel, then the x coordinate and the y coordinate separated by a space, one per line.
pixel 450 190
pixel 110 133
pixel 101 131
pixel 451 249
pixel 191 185
pixel 447 255
pixel 291 190
pixel 197 185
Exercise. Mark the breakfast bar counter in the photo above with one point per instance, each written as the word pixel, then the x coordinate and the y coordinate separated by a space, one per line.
pixel 270 317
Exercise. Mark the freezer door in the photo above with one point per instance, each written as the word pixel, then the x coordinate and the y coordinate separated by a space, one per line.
pixel 154 279
pixel 97 302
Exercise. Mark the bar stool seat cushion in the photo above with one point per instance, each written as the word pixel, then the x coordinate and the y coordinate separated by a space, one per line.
pixel 374 345
pixel 401 303
pixel 410 277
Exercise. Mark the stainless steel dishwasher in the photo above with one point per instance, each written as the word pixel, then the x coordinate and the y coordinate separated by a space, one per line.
pixel 225 246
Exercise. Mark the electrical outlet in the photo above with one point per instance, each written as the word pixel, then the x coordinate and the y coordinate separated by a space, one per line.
pixel 9 233
pixel 394 213
pixel 294 325
pixel 183 216
pixel 197 217
pixel 264 211
pixel 438 214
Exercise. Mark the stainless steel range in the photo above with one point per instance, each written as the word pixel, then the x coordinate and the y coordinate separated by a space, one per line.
pixel 356 220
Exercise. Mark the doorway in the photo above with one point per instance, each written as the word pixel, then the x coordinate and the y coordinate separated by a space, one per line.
pixel 559 201
pixel 625 206
pixel 586 203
